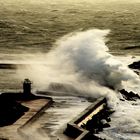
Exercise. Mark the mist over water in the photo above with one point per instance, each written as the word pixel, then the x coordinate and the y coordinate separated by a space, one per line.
pixel 87 54
pixel 80 65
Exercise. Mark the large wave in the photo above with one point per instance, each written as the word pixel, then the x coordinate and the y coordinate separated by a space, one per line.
pixel 81 62
pixel 80 65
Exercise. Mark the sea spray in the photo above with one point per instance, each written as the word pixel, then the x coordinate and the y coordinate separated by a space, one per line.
pixel 81 60
pixel 80 65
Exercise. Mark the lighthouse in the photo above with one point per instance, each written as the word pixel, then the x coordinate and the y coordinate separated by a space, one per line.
pixel 27 87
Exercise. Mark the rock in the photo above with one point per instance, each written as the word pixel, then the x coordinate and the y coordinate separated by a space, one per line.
pixel 130 96
pixel 135 65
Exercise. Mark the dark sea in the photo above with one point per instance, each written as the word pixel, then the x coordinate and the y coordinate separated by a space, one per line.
pixel 30 29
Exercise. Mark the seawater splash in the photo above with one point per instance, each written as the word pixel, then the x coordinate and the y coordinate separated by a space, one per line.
pixel 86 55
pixel 81 60
pixel 82 65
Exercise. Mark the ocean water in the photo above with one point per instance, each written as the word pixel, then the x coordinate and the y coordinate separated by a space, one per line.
pixel 31 28
pixel 29 31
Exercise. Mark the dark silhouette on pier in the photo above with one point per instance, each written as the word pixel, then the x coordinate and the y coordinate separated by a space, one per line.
pixel 11 108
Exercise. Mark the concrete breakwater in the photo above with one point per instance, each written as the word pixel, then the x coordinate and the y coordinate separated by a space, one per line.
pixel 89 122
